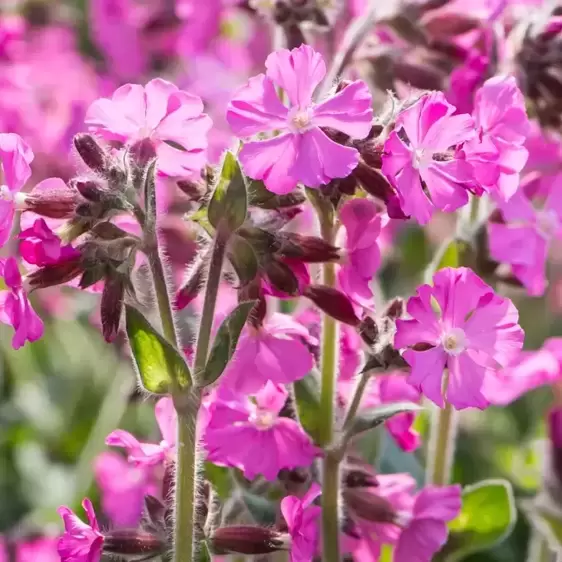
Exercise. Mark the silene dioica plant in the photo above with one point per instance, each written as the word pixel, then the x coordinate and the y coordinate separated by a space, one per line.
pixel 298 378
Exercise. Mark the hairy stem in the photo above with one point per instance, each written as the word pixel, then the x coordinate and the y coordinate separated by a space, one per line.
pixel 187 534
pixel 356 400
pixel 441 448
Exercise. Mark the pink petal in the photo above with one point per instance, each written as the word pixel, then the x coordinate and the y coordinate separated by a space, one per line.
pixel 272 161
pixel 7 212
pixel 349 111
pixel 319 159
pixel 466 379
pixel 298 72
pixel 271 397
pixel 158 93
pixel 166 418
pixel 444 181
pixel 427 372
pixel 440 503
pixel 420 541
pixel 16 157
pixel 178 163
pixel 256 108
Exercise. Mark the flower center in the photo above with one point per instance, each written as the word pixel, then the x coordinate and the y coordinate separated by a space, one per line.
pixel 299 120
pixel 547 223
pixel 5 193
pixel 421 159
pixel 263 419
pixel 454 341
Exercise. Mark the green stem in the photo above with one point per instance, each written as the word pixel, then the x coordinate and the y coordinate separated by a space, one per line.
pixel 441 448
pixel 356 400
pixel 162 297
pixel 187 533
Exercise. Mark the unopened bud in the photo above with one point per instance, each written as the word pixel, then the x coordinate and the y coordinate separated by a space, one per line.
pixel 55 274
pixel 53 198
pixel 373 182
pixel 143 152
pixel 449 24
pixel 422 76
pixel 92 154
pixel 89 189
pixel 369 331
pixel 369 506
pixel 192 285
pixel 281 276
pixel 112 306
pixel 244 539
pixel 132 543
pixel 333 302
pixel 357 478
pixel 309 249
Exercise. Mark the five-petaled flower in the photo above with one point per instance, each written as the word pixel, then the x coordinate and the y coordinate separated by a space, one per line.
pixel 302 152
pixel 459 331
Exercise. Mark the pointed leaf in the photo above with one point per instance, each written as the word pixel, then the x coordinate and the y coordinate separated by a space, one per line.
pixel 157 362
pixel 225 342
pixel 243 259
pixel 307 398
pixel 487 517
pixel 229 202
pixel 219 478
pixel 373 417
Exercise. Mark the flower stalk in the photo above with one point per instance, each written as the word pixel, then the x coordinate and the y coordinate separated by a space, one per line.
pixel 441 447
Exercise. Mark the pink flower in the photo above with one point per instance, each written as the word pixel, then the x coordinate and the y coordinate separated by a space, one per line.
pixel 523 240
pixel 362 223
pixel 418 150
pixel 15 308
pixel 150 453
pixel 275 351
pixel 474 331
pixel 302 152
pixel 302 520
pixel 41 246
pixel 426 532
pixel 498 153
pixel 123 488
pixel 80 542
pixel 239 427
pixel 15 157
pixel 161 113
pixel 43 549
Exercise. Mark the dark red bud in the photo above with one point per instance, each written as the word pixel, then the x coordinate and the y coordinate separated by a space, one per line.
pixel 422 76
pixel 309 249
pixel 395 308
pixel 281 276
pixel 92 154
pixel 192 285
pixel 333 302
pixel 244 539
pixel 373 182
pixel 132 542
pixel 90 189
pixel 53 199
pixel 444 25
pixel 195 190
pixel 55 274
pixel 253 291
pixel 112 306
pixel 356 478
pixel 369 331
pixel 371 153
pixel 369 506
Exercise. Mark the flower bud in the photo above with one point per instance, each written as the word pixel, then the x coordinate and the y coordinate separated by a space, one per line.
pixel 244 539
pixel 309 249
pixel 92 154
pixel 281 276
pixel 89 189
pixel 373 182
pixel 333 302
pixel 55 274
pixel 369 331
pixel 395 308
pixel 53 198
pixel 369 506
pixel 359 478
pixel 112 305
pixel 422 76
pixel 132 544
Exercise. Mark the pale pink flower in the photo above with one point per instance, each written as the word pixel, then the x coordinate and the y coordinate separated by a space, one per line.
pixel 497 153
pixel 524 238
pixel 461 325
pixel 123 487
pixel 15 159
pixel 40 246
pixel 275 351
pixel 238 428
pixel 81 542
pixel 162 114
pixel 425 531
pixel 301 517
pixel 421 149
pixel 363 224
pixel 150 453
pixel 15 308
pixel 302 152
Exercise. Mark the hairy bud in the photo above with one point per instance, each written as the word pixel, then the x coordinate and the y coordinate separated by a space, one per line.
pixel 244 539
pixel 52 198
pixel 358 478
pixel 369 506
pixel 132 543
pixel 92 154
pixel 89 189
pixel 55 274
pixel 333 302
pixel 281 276
pixel 395 308
pixel 112 305
pixel 192 285
pixel 308 249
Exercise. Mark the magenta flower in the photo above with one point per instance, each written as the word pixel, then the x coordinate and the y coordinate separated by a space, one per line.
pixel 362 223
pixel 275 351
pixel 497 153
pixel 150 453
pixel 161 113
pixel 123 487
pixel 474 331
pixel 421 149
pixel 302 520
pixel 42 549
pixel 41 246
pixel 15 158
pixel 15 308
pixel 523 240
pixel 302 152
pixel 80 542
pixel 238 427
pixel 426 529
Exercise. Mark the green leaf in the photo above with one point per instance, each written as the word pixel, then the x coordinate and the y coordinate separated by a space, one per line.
pixel 229 202
pixel 243 259
pixel 373 417
pixel 307 398
pixel 262 510
pixel 486 519
pixel 219 478
pixel 547 520
pixel 157 362
pixel 225 342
